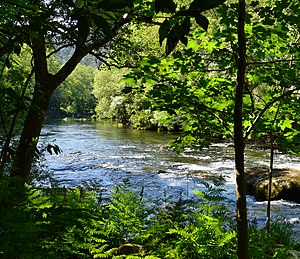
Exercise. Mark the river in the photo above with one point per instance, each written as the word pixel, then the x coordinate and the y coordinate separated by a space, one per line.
pixel 103 153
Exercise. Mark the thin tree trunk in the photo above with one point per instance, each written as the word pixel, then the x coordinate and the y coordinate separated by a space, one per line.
pixel 268 221
pixel 242 224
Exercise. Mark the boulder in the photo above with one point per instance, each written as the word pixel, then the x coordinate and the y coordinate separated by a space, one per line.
pixel 285 184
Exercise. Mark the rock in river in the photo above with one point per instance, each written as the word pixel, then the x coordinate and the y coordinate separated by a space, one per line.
pixel 285 184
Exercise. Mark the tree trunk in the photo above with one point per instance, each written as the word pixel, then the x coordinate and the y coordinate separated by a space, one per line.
pixel 242 224
pixel 31 132
pixel 268 221
pixel 45 85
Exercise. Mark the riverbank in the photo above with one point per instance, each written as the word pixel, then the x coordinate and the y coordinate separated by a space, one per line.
pixel 65 223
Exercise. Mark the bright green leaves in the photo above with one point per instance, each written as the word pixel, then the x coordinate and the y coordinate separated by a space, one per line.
pixel 129 80
pixel 177 27
pixel 193 45
pixel 286 124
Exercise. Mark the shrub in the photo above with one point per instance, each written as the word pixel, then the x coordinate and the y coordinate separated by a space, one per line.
pixel 75 223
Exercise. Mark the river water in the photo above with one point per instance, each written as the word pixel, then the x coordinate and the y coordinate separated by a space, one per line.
pixel 107 154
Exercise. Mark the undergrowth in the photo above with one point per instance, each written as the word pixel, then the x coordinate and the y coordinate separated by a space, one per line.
pixel 73 223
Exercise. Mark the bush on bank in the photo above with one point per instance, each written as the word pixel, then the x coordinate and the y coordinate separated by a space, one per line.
pixel 73 223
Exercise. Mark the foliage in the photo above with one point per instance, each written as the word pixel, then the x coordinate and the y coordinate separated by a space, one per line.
pixel 74 96
pixel 87 27
pixel 197 84
pixel 143 41
pixel 107 90
pixel 64 223
pixel 110 90
pixel 263 245
pixel 15 85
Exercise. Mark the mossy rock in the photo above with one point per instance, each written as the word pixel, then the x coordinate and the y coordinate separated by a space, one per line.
pixel 202 175
pixel 285 184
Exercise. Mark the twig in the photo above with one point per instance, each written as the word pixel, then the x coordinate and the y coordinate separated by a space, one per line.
pixel 273 61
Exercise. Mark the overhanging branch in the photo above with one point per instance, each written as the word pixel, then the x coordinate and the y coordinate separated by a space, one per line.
pixel 268 105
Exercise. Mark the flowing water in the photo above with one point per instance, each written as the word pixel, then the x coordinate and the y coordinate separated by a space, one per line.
pixel 103 152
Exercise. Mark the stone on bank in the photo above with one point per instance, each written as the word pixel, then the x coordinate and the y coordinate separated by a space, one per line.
pixel 285 183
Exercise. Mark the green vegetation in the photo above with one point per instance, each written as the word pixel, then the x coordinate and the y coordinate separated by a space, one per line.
pixel 76 223
pixel 231 71
pixel 74 98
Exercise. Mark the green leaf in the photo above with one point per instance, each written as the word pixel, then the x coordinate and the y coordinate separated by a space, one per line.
pixel 109 16
pixel 79 3
pixel 128 80
pixel 164 30
pixel 202 21
pixel 193 44
pixel 150 81
pixel 102 23
pixel 172 42
pixel 210 46
pixel 144 62
pixel 220 106
pixel 287 123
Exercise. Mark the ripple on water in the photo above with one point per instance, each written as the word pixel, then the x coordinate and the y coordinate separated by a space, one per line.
pixel 95 151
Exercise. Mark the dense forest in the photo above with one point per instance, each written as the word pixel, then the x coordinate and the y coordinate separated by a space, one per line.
pixel 213 70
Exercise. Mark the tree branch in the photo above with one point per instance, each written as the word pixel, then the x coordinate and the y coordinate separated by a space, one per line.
pixel 59 49
pixel 210 111
pixel 82 50
pixel 273 61
pixel 268 105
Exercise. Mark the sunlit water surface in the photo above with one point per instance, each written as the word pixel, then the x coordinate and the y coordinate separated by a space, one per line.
pixel 105 153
